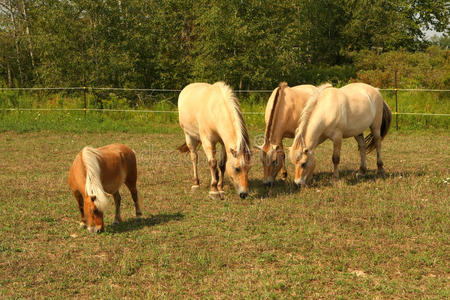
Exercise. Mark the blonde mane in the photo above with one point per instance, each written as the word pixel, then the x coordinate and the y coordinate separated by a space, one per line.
pixel 94 187
pixel 231 101
pixel 273 110
pixel 306 113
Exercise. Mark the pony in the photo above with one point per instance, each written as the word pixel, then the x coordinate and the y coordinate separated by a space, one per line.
pixel 282 118
pixel 334 114
pixel 98 173
pixel 210 114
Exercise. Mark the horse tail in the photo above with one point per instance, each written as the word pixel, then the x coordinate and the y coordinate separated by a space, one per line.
pixel 384 129
pixel 94 187
pixel 183 148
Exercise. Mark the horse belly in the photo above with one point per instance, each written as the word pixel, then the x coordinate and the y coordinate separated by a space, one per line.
pixel 359 118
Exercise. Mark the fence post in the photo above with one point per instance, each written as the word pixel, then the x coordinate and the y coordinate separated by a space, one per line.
pixel 396 101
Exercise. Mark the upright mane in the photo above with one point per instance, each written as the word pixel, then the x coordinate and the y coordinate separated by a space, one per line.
pixel 231 101
pixel 273 110
pixel 307 111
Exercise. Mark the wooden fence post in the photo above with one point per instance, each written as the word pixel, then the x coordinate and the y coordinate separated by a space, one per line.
pixel 396 101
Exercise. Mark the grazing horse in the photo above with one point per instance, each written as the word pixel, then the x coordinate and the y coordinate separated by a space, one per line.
pixel 98 173
pixel 282 117
pixel 335 114
pixel 210 114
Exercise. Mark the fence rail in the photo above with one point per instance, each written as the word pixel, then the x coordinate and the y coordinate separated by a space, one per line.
pixel 177 90
pixel 86 89
pixel 173 111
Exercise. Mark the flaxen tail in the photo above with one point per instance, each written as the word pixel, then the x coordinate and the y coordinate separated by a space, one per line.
pixel 384 129
pixel 94 185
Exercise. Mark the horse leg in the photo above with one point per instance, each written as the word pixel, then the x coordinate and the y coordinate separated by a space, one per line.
pixel 284 173
pixel 222 165
pixel 117 199
pixel 210 151
pixel 337 143
pixel 362 152
pixel 131 185
pixel 377 137
pixel 80 202
pixel 192 145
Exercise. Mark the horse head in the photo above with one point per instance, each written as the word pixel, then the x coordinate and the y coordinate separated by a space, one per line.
pixel 272 157
pixel 237 168
pixel 304 163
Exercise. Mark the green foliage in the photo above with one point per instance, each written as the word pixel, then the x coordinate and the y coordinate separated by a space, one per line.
pixel 430 68
pixel 168 43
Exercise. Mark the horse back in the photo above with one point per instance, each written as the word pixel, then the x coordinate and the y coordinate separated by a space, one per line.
pixel 118 164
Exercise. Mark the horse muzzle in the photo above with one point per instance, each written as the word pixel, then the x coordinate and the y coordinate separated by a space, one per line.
pixel 243 195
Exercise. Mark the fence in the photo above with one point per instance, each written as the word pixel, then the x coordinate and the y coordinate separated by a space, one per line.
pixel 85 90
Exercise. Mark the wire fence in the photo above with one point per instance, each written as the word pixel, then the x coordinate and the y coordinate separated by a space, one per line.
pixel 85 90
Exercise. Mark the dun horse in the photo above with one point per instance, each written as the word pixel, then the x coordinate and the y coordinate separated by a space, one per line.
pixel 335 114
pixel 97 173
pixel 210 114
pixel 282 118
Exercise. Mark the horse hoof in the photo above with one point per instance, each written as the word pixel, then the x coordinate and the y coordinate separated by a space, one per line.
pixel 195 187
pixel 117 222
pixel 222 195
pixel 359 175
pixel 381 173
pixel 139 217
pixel 214 195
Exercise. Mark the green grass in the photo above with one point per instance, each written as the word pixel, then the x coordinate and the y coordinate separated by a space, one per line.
pixel 143 122
pixel 351 239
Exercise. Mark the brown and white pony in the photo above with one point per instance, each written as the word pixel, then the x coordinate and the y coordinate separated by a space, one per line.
pixel 282 118
pixel 96 174
pixel 335 114
pixel 210 114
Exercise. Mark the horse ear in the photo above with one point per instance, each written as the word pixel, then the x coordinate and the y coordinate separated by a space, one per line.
pixel 233 152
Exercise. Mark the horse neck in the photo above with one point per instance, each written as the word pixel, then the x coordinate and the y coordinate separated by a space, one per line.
pixel 312 134
pixel 228 135
pixel 279 129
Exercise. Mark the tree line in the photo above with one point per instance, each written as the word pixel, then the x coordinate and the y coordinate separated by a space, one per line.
pixel 250 44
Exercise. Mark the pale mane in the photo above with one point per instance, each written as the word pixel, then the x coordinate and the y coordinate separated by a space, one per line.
pixel 307 111
pixel 243 141
pixel 273 110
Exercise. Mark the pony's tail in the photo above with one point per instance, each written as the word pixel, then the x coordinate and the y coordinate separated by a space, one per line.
pixel 183 148
pixel 384 129
pixel 94 185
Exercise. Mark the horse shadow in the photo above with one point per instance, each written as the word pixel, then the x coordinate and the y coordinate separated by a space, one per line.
pixel 135 224
pixel 323 179
pixel 279 187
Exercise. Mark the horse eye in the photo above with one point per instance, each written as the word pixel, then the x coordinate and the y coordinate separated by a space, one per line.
pixel 237 170
pixel 303 165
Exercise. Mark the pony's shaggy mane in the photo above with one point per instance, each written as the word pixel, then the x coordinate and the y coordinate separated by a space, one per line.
pixel 307 111
pixel 273 110
pixel 94 187
pixel 231 101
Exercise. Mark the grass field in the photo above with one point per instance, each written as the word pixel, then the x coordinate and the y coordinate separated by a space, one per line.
pixel 351 239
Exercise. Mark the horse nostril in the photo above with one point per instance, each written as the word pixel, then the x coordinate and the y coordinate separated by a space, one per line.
pixel 243 195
